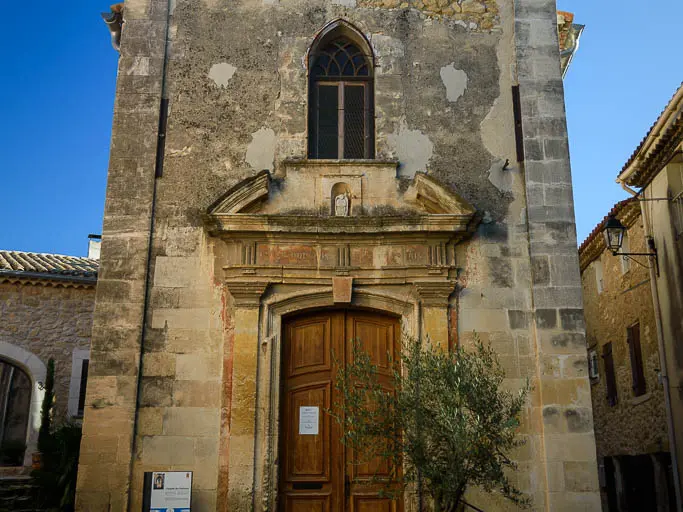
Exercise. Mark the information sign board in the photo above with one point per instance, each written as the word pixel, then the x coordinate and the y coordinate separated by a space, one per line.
pixel 168 491
pixel 308 421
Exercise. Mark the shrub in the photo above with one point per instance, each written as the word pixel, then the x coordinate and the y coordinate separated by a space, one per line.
pixel 447 425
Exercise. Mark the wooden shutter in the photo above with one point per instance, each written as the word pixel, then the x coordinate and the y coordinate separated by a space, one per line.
pixel 610 377
pixel 84 382
pixel 637 373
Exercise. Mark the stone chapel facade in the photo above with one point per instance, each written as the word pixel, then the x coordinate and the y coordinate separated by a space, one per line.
pixel 287 175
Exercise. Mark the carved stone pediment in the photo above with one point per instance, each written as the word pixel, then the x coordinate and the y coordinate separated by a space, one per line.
pixel 314 220
pixel 318 196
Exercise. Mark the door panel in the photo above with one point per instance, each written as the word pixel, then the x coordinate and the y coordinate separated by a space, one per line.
pixel 309 458
pixel 372 504
pixel 377 336
pixel 308 504
pixel 318 474
pixel 310 347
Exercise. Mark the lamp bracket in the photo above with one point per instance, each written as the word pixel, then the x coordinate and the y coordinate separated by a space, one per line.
pixel 630 255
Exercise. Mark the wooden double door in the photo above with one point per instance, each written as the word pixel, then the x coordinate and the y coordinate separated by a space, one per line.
pixel 317 472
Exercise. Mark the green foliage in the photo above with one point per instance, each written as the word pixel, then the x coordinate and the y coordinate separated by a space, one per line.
pixel 57 478
pixel 59 454
pixel 447 426
pixel 46 407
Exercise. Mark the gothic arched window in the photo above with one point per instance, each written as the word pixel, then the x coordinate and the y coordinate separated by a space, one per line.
pixel 340 120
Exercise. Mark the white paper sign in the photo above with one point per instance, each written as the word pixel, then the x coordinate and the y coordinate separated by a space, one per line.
pixel 171 491
pixel 308 421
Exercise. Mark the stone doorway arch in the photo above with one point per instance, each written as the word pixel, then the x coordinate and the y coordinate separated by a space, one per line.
pixel 36 371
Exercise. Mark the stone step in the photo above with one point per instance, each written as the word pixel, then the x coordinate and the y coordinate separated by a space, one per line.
pixel 17 493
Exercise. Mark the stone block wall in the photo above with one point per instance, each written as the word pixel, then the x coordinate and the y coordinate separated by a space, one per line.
pixel 567 441
pixel 176 356
pixel 49 322
pixel 635 425
pixel 42 320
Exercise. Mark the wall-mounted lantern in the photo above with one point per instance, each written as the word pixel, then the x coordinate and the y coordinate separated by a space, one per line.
pixel 614 237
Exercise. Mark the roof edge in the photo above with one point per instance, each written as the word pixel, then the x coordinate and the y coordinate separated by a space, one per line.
pixel 639 169
pixel 627 211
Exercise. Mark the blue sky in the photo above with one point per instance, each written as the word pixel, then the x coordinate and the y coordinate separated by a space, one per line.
pixel 57 95
pixel 56 100
pixel 626 71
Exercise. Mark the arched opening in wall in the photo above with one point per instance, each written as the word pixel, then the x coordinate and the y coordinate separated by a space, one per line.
pixel 15 408
pixel 340 95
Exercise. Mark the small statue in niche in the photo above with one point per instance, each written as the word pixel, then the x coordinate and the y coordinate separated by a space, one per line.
pixel 341 205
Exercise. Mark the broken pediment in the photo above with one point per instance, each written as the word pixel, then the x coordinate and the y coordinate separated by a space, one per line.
pixel 247 196
pixel 314 220
pixel 340 197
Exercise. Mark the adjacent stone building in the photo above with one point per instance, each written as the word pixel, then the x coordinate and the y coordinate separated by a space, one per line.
pixel 624 361
pixel 654 174
pixel 287 175
pixel 46 309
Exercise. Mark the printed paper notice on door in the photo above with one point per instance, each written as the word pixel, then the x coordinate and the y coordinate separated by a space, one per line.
pixel 308 421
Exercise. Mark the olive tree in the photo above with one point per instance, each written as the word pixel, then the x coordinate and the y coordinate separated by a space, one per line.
pixel 445 425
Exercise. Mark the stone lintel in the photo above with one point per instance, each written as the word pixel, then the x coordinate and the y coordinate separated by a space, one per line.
pixel 247 294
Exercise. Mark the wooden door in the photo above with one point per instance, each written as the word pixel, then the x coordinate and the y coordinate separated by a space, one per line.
pixel 318 474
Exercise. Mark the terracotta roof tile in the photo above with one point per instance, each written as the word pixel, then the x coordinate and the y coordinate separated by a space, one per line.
pixel 671 137
pixel 627 211
pixel 598 229
pixel 17 262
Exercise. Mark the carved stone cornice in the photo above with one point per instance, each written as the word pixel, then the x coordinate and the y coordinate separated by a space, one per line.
pixel 247 294
pixel 434 294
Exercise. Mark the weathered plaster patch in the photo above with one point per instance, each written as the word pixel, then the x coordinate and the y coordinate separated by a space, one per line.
pixel 389 51
pixel 499 177
pixel 413 149
pixel 455 81
pixel 261 151
pixel 222 73
pixel 345 3
pixel 139 67
pixel 500 119
pixel 185 151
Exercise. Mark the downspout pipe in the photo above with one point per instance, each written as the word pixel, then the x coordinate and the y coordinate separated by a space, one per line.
pixel 662 356
pixel 158 166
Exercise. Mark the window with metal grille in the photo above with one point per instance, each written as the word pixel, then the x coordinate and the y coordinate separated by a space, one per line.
pixel 341 124
pixel 610 377
pixel 637 372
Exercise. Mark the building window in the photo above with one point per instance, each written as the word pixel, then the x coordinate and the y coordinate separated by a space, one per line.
pixel 593 368
pixel 341 120
pixel 610 377
pixel 625 247
pixel 675 176
pixel 80 360
pixel 637 373
pixel 599 279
